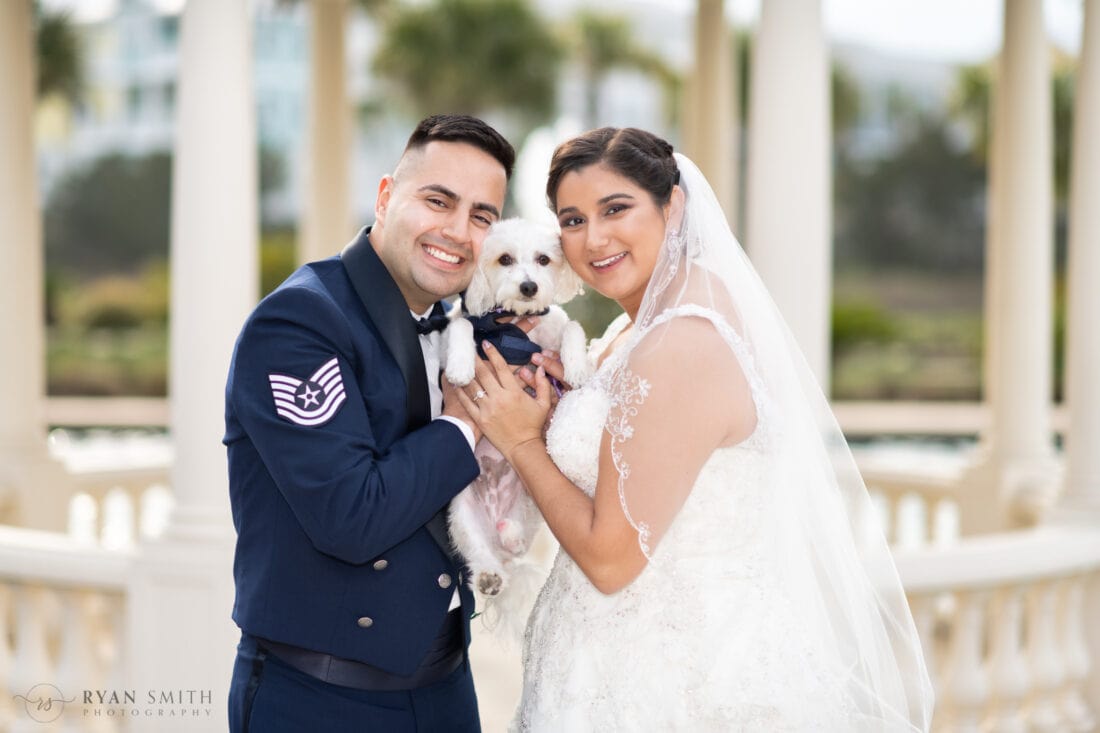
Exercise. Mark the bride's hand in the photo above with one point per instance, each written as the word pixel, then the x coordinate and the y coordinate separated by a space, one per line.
pixel 497 402
pixel 550 361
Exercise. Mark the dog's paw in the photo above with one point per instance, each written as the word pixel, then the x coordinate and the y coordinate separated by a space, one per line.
pixel 489 584
pixel 460 374
pixel 511 536
pixel 460 352
pixel 577 373
pixel 574 356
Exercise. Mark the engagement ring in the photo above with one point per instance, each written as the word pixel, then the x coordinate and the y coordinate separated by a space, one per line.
pixel 479 394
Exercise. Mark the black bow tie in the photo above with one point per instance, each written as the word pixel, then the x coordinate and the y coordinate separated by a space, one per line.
pixel 435 321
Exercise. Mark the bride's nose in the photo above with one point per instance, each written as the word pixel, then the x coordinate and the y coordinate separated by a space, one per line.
pixel 597 237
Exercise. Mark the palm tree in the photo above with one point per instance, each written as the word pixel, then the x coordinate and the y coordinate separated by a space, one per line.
pixel 603 42
pixel 59 55
pixel 470 56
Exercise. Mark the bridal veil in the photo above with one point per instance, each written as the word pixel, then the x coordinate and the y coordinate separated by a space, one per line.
pixel 825 544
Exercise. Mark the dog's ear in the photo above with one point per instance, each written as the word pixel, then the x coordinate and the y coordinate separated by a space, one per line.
pixel 479 296
pixel 569 284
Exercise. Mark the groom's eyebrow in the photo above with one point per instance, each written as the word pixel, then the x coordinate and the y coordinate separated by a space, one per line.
pixel 478 206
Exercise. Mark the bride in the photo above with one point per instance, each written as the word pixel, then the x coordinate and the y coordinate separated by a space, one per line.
pixel 720 566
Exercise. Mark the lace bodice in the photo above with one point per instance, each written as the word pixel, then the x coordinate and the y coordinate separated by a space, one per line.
pixel 574 439
pixel 702 639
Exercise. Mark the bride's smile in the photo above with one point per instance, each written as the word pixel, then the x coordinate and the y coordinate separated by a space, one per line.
pixel 611 231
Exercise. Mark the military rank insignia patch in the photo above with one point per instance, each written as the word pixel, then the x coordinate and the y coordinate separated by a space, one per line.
pixel 312 401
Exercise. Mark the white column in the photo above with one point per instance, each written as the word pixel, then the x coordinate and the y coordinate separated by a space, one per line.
pixel 1082 488
pixel 181 594
pixel 1081 501
pixel 326 219
pixel 711 130
pixel 1017 472
pixel 789 188
pixel 27 477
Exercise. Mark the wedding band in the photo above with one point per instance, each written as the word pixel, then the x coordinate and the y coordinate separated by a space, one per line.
pixel 479 394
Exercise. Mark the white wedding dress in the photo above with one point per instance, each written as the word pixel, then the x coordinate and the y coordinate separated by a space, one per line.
pixel 705 639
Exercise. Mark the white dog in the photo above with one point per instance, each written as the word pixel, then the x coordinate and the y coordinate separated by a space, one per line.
pixel 521 271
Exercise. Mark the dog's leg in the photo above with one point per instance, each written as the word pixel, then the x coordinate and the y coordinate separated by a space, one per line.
pixel 574 354
pixel 473 538
pixel 512 527
pixel 461 352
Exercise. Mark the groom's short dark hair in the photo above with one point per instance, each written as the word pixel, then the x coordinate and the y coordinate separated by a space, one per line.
pixel 464 129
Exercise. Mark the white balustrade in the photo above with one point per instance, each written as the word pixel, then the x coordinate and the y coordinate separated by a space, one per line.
pixel 915 510
pixel 66 601
pixel 5 658
pixel 1010 675
pixel 120 518
pixel 1001 619
pixel 1047 658
pixel 966 688
pixel 1077 712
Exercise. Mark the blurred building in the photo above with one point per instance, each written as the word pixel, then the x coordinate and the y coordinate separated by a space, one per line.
pixel 131 66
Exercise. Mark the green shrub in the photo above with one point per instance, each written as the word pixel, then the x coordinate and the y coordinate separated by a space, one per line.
pixel 119 302
pixel 861 322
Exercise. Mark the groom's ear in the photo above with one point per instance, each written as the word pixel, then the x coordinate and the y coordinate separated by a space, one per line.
pixel 382 202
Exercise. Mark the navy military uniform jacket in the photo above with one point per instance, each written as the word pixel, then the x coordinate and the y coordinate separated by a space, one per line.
pixel 338 478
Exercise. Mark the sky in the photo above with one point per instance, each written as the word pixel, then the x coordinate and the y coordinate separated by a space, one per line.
pixel 945 30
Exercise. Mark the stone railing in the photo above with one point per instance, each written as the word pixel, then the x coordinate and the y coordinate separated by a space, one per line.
pixel 1002 619
pixel 915 491
pixel 62 609
pixel 116 486
pixel 1007 621
pixel 915 510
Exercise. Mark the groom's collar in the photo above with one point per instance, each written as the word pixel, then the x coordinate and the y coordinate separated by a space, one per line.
pixel 389 313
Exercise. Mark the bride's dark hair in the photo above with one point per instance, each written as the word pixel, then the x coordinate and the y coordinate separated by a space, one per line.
pixel 636 154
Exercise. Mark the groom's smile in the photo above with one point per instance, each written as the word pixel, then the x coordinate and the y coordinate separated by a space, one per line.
pixel 444 258
pixel 432 215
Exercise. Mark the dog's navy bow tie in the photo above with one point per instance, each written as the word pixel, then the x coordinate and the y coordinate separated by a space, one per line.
pixel 508 338
pixel 435 321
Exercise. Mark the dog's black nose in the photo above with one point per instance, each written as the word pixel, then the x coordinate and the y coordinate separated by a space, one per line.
pixel 528 288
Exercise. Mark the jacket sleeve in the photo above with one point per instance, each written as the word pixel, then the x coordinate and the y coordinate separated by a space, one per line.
pixel 353 499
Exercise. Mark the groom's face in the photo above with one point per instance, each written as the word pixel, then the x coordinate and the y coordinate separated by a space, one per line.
pixel 431 216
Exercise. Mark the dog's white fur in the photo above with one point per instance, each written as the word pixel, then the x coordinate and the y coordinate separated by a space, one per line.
pixel 521 268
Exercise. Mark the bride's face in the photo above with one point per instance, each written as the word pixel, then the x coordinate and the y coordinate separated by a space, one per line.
pixel 611 232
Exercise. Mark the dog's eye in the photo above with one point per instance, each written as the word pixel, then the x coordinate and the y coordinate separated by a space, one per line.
pixel 506 260
pixel 543 260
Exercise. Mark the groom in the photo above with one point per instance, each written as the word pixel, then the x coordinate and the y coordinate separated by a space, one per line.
pixel 343 454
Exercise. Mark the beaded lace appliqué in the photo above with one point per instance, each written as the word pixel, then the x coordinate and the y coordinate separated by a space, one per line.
pixel 628 393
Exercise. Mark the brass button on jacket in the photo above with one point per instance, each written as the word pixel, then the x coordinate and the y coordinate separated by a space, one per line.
pixel 365 622
pixel 444 581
